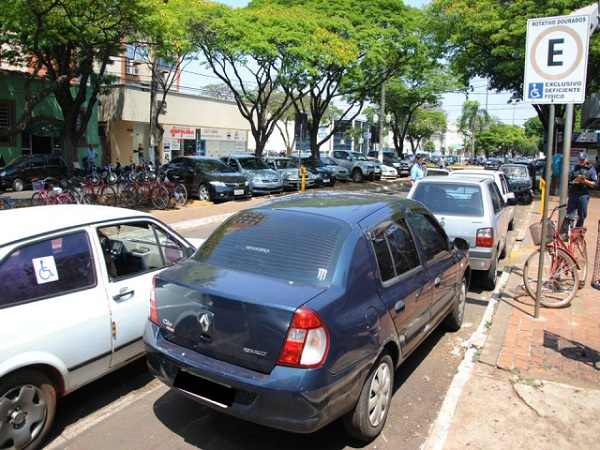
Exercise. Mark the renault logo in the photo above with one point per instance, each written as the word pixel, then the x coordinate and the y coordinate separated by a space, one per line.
pixel 206 320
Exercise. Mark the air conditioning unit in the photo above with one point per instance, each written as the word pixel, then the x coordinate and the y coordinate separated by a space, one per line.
pixel 129 70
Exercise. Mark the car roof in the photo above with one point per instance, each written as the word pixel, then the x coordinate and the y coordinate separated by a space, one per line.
pixel 454 180
pixel 350 207
pixel 249 155
pixel 35 220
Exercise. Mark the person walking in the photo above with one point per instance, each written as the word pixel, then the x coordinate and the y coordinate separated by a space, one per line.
pixel 417 171
pixel 582 178
pixel 556 173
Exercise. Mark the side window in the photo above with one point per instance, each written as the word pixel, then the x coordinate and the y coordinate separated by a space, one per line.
pixel 47 268
pixel 432 236
pixel 133 248
pixel 395 249
pixel 497 201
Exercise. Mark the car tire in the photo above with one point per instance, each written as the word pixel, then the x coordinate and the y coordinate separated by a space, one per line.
pixel 504 250
pixel 18 185
pixel 511 225
pixel 358 176
pixel 368 418
pixel 28 406
pixel 528 198
pixel 203 193
pixel 491 275
pixel 454 320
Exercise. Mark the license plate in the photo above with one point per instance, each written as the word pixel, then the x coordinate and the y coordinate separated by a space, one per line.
pixel 326 180
pixel 238 192
pixel 377 170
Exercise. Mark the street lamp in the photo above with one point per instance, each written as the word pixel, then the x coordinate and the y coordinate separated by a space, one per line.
pixel 375 119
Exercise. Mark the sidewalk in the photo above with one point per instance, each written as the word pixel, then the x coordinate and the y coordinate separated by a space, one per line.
pixel 530 383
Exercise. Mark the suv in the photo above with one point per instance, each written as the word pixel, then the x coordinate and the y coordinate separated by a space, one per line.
pixel 18 173
pixel 472 209
pixel 391 159
pixel 263 179
pixel 75 283
pixel 359 166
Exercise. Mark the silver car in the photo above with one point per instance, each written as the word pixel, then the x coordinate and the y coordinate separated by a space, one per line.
pixel 359 166
pixel 472 209
pixel 263 179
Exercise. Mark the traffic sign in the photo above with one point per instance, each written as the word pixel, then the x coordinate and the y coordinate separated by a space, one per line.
pixel 556 59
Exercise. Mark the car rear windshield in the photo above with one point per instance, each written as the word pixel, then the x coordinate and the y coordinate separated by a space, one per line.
pixel 453 199
pixel 294 246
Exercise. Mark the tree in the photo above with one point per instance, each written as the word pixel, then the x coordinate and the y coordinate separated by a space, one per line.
pixel 487 39
pixel 355 46
pixel 473 120
pixel 69 44
pixel 426 123
pixel 251 51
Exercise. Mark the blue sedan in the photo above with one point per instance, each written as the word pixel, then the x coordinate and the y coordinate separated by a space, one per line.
pixel 296 312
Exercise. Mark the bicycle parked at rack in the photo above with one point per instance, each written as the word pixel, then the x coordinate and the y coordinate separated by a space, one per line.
pixel 101 193
pixel 564 265
pixel 47 193
pixel 138 192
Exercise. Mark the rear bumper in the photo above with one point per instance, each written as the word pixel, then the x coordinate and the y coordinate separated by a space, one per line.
pixel 297 400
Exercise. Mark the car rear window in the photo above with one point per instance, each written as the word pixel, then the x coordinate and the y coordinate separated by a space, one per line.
pixel 451 198
pixel 283 244
pixel 47 268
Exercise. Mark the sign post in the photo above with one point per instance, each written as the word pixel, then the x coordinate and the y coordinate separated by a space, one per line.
pixel 555 72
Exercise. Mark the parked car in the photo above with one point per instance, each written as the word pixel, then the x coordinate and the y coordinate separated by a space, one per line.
pixel 493 164
pixel 210 179
pixel 19 173
pixel 326 176
pixel 501 181
pixel 520 182
pixel 291 174
pixel 435 171
pixel 358 165
pixel 392 159
pixel 293 336
pixel 472 209
pixel 388 172
pixel 263 179
pixel 75 283
pixel 341 173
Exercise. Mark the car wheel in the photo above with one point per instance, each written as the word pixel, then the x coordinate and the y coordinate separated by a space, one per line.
pixel 511 225
pixel 490 277
pixel 528 198
pixel 358 176
pixel 18 185
pixel 454 320
pixel 504 250
pixel 368 418
pixel 204 193
pixel 27 408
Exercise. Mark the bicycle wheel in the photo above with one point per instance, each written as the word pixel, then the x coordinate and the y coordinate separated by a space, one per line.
pixel 579 252
pixel 129 195
pixel 560 279
pixel 107 196
pixel 159 196
pixel 178 196
pixel 65 198
pixel 38 200
pixel 5 204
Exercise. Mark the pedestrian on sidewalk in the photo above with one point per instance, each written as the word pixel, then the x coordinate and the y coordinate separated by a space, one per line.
pixel 556 173
pixel 582 178
pixel 417 171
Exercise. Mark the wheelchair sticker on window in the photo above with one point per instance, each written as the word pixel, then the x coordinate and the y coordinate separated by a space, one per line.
pixel 45 269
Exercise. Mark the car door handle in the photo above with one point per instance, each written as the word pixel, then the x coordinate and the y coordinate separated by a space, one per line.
pixel 123 295
pixel 400 306
pixel 437 281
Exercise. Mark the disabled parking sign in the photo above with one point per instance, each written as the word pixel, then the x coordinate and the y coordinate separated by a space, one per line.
pixel 556 59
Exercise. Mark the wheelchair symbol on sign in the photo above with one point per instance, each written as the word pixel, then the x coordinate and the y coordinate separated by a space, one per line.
pixel 536 90
pixel 45 269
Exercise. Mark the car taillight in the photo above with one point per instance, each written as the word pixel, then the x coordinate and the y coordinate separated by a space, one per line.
pixel 153 311
pixel 307 340
pixel 485 237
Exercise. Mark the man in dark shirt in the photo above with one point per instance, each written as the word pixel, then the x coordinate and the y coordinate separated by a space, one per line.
pixel 582 178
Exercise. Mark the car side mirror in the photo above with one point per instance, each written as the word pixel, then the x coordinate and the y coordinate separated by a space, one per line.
pixel 460 244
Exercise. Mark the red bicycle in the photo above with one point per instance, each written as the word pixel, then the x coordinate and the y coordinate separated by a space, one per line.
pixel 47 193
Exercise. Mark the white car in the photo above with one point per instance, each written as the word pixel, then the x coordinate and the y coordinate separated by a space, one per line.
pixel 472 209
pixel 501 181
pixel 387 172
pixel 75 284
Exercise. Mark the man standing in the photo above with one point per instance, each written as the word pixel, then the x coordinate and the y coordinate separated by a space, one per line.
pixel 91 156
pixel 417 171
pixel 556 172
pixel 582 178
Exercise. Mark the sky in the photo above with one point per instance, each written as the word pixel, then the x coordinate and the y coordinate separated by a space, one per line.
pixel 497 104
